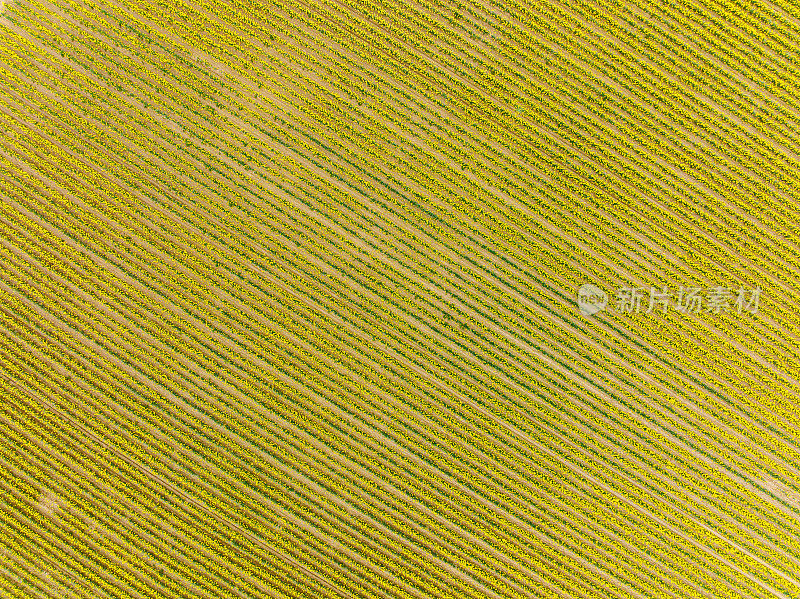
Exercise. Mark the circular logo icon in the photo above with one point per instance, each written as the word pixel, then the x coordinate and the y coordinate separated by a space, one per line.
pixel 591 299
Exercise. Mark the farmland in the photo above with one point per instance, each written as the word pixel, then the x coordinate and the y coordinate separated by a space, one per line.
pixel 288 299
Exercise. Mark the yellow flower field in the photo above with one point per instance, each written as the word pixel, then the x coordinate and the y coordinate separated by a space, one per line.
pixel 416 299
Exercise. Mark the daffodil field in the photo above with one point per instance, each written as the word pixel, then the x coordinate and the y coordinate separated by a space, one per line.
pixel 399 299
